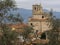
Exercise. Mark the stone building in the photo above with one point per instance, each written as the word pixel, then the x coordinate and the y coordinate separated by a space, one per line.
pixel 40 20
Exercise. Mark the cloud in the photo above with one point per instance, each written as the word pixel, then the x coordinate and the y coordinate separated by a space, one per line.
pixel 21 0
pixel 47 4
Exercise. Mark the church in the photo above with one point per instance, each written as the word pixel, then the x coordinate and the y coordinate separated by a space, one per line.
pixel 40 21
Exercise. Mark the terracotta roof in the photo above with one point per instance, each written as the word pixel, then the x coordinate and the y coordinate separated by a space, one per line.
pixel 19 25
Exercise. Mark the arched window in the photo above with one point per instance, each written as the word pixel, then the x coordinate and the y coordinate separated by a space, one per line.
pixel 31 24
pixel 35 8
pixel 42 16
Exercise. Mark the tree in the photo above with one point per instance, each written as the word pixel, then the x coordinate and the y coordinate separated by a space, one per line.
pixel 5 7
pixel 27 31
pixel 54 32
pixel 7 34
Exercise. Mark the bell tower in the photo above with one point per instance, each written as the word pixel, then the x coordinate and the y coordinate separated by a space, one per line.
pixel 37 9
pixel 40 21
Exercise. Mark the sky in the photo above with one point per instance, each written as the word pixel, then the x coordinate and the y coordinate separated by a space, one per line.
pixel 46 4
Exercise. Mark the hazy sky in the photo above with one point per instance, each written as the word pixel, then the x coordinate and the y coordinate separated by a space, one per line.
pixel 47 4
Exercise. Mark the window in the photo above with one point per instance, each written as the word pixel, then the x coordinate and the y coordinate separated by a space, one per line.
pixel 31 24
pixel 42 16
pixel 35 8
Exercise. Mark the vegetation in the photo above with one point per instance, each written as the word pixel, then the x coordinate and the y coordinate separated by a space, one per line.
pixel 53 34
pixel 5 7
pixel 27 31
pixel 7 34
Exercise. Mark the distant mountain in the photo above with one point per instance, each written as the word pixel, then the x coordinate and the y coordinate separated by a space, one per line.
pixel 57 14
pixel 26 13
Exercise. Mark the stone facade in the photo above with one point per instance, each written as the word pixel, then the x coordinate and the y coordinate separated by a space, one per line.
pixel 40 19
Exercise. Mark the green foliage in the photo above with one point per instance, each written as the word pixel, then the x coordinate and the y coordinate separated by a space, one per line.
pixel 27 31
pixel 5 8
pixel 8 35
pixel 16 18
pixel 6 4
pixel 9 3
pixel 54 33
